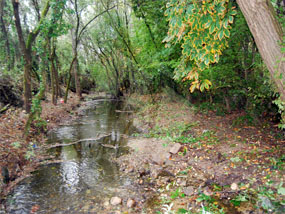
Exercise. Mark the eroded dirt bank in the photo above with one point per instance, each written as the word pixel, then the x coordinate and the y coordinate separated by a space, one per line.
pixel 188 162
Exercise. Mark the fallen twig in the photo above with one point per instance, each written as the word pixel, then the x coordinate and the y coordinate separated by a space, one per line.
pixel 72 143
pixel 5 108
pixel 124 111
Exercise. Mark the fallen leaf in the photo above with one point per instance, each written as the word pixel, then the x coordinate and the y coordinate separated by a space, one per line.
pixel 35 208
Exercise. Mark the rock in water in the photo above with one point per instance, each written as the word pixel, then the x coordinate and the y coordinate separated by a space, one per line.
pixel 115 201
pixel 175 148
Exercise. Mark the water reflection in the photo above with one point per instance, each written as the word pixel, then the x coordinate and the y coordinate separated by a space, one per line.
pixel 87 175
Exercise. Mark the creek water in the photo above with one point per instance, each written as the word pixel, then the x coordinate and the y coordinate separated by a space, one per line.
pixel 86 177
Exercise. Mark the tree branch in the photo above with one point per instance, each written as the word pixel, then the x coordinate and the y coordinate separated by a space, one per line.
pixel 33 35
pixel 91 20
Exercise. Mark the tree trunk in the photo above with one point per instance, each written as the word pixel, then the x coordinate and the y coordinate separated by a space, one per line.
pixel 58 92
pixel 77 78
pixel 54 72
pixel 26 47
pixel 33 114
pixel 267 33
pixel 27 82
pixel 44 68
pixel 53 88
pixel 5 33
pixel 76 64
pixel 27 57
pixel 69 78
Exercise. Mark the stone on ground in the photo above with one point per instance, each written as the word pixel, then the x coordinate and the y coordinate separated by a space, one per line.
pixel 130 203
pixel 175 148
pixel 115 201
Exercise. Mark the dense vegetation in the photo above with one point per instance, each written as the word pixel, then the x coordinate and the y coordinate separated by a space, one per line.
pixel 225 57
pixel 123 46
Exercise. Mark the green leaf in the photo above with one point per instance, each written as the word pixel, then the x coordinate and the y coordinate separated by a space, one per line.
pixel 209 23
pixel 208 82
pixel 218 24
pixel 212 58
pixel 231 19
pixel 281 191
pixel 192 88
pixel 226 24
pixel 235 159
pixel 233 12
pixel 190 10
pixel 221 34
pixel 202 87
pixel 207 86
pixel 220 8
pixel 212 28
pixel 227 33
pixel 217 58
pixel 207 61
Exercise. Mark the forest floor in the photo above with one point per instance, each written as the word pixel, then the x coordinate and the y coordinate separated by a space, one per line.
pixel 21 156
pixel 192 162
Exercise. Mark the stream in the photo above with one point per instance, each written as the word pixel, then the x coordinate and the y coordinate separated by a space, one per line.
pixel 86 178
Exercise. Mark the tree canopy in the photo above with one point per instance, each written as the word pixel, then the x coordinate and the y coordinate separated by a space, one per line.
pixel 127 46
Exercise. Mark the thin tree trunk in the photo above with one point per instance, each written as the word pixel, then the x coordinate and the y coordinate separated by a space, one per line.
pixel 77 78
pixel 33 114
pixel 43 63
pixel 58 91
pixel 26 48
pixel 76 64
pixel 149 29
pixel 267 33
pixel 69 79
pixel 27 82
pixel 53 87
pixel 5 33
pixel 54 71
pixel 27 57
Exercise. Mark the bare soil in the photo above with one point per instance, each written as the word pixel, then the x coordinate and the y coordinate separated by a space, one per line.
pixel 241 168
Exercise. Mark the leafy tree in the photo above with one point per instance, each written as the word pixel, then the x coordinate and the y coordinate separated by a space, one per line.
pixel 204 26
pixel 77 33
pixel 203 29
pixel 150 27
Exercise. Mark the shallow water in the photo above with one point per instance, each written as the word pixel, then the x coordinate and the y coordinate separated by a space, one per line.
pixel 87 177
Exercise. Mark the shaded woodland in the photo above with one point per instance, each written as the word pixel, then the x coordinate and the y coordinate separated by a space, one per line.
pixel 224 57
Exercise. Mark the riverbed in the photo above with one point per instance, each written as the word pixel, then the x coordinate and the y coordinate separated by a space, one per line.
pixel 85 176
